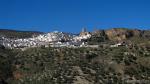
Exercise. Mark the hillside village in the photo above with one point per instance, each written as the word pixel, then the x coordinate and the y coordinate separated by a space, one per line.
pixel 53 39
pixel 114 56
pixel 60 39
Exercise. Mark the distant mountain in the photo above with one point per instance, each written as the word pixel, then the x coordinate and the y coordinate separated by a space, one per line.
pixel 18 34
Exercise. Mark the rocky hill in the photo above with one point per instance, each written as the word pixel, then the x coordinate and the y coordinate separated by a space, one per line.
pixel 121 34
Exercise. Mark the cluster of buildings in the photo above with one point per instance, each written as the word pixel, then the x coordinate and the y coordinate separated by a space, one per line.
pixel 53 39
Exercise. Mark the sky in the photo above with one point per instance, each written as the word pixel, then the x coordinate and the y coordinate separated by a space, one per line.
pixel 73 15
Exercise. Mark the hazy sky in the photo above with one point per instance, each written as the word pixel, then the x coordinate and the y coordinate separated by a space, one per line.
pixel 72 15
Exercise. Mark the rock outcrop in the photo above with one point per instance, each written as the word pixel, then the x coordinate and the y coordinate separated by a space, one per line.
pixel 120 34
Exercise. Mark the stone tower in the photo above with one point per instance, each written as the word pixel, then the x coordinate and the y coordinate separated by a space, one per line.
pixel 84 29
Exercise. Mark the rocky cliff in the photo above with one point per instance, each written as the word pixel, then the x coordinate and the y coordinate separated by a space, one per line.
pixel 119 34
